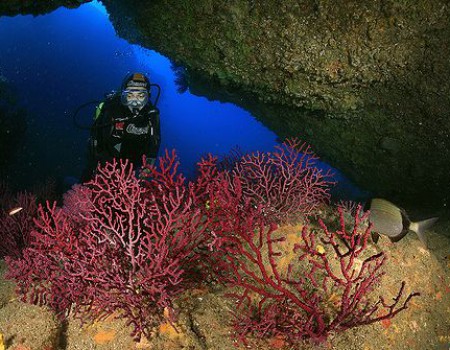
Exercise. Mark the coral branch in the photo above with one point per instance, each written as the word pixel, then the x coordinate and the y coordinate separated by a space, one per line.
pixel 115 246
pixel 319 293
pixel 16 222
pixel 130 245
pixel 287 182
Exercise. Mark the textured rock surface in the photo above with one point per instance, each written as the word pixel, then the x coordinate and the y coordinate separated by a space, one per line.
pixel 366 83
pixel 205 314
pixel 29 7
pixel 308 53
pixel 346 78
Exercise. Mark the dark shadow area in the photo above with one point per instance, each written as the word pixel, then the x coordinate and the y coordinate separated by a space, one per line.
pixel 365 83
pixel 354 81
pixel 35 8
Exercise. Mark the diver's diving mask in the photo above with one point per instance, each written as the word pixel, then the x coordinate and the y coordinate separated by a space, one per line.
pixel 134 99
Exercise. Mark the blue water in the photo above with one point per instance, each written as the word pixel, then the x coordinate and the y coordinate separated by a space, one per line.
pixel 61 60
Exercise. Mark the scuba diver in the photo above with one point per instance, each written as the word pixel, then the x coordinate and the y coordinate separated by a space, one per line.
pixel 126 126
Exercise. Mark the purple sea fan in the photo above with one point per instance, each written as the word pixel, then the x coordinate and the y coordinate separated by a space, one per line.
pixel 115 246
pixel 287 182
pixel 329 287
pixel 16 222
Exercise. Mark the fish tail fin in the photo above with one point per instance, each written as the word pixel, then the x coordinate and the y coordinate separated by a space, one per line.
pixel 421 226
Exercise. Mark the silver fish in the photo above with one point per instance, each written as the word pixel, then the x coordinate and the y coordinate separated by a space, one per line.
pixel 14 211
pixel 392 221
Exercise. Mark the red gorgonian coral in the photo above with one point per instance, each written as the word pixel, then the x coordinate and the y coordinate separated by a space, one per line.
pixel 287 184
pixel 16 221
pixel 114 247
pixel 328 287
pixel 129 245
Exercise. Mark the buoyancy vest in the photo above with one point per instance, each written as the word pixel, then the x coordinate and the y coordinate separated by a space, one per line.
pixel 120 133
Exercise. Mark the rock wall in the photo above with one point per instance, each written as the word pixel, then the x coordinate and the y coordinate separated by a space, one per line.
pixel 365 82
pixel 30 7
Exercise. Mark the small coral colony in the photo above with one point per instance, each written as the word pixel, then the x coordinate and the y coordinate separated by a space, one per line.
pixel 129 242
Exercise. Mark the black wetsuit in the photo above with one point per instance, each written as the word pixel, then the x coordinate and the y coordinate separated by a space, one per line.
pixel 119 133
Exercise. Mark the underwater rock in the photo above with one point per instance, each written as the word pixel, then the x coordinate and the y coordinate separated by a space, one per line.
pixel 28 7
pixel 339 77
pixel 390 144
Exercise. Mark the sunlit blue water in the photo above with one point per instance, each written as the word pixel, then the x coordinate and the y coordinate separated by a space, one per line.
pixel 64 59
